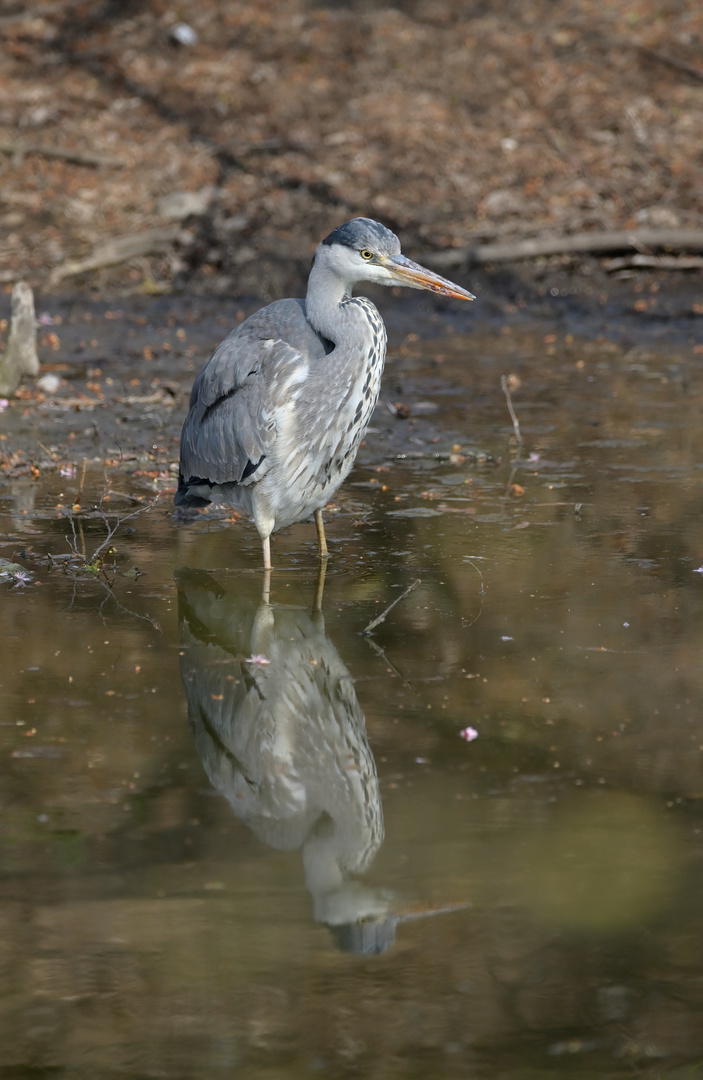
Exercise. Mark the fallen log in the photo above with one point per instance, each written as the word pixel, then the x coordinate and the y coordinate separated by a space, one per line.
pixel 610 241
pixel 117 250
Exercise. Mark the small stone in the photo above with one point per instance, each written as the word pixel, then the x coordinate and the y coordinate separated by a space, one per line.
pixel 183 34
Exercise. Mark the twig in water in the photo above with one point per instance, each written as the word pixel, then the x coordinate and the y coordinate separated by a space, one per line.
pixel 481 592
pixel 82 482
pixel 109 595
pixel 74 542
pixel 112 529
pixel 391 666
pixel 381 618
pixel 96 560
pixel 516 423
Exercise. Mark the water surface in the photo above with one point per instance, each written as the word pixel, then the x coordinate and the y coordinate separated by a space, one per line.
pixel 214 865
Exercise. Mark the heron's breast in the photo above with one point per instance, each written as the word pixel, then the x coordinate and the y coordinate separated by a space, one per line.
pixel 319 432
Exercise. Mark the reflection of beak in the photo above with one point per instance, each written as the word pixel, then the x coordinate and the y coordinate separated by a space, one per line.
pixel 423 912
pixel 412 275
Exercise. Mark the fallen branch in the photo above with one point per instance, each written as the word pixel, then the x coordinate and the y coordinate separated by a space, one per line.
pixel 655 262
pixel 671 61
pixel 19 148
pixel 263 146
pixel 117 250
pixel 611 240
pixel 381 618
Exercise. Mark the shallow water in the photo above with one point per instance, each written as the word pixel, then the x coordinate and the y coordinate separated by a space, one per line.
pixel 213 865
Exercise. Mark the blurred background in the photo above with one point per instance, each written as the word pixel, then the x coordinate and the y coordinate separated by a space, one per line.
pixel 216 142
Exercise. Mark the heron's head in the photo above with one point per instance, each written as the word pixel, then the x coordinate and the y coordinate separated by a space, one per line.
pixel 365 250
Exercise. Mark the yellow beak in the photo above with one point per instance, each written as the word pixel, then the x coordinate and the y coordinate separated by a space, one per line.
pixel 412 275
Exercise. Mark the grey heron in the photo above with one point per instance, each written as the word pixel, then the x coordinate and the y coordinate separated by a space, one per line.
pixel 278 412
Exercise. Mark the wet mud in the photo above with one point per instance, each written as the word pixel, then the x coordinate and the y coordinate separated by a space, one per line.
pixel 120 372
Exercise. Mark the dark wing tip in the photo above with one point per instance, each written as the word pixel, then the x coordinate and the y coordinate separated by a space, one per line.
pixel 251 467
pixel 186 497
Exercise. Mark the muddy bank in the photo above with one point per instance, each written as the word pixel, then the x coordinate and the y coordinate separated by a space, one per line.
pixel 135 158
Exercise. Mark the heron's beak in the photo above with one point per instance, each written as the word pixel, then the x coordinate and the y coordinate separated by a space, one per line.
pixel 412 275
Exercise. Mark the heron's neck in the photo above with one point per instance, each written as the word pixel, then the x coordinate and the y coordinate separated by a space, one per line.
pixel 323 302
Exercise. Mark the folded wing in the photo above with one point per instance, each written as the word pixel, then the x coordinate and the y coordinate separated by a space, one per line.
pixel 241 395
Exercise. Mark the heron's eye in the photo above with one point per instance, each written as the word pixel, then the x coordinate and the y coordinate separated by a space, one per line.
pixel 366 254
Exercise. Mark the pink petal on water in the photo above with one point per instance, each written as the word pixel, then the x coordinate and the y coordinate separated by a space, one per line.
pixel 257 658
pixel 469 733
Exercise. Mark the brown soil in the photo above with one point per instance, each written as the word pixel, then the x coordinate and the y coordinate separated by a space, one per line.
pixel 451 122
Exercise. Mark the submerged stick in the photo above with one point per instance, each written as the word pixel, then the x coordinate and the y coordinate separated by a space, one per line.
pixel 516 423
pixel 381 618
pixel 79 495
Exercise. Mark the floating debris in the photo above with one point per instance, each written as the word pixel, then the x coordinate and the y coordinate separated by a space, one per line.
pixel 49 383
pixel 15 573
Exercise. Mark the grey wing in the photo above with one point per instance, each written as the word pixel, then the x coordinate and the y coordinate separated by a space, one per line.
pixel 230 429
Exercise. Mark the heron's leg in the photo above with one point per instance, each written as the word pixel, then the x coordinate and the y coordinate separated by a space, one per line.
pixel 321 538
pixel 317 602
pixel 266 590
pixel 266 542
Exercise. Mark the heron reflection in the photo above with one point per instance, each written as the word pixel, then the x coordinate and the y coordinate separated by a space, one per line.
pixel 278 726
